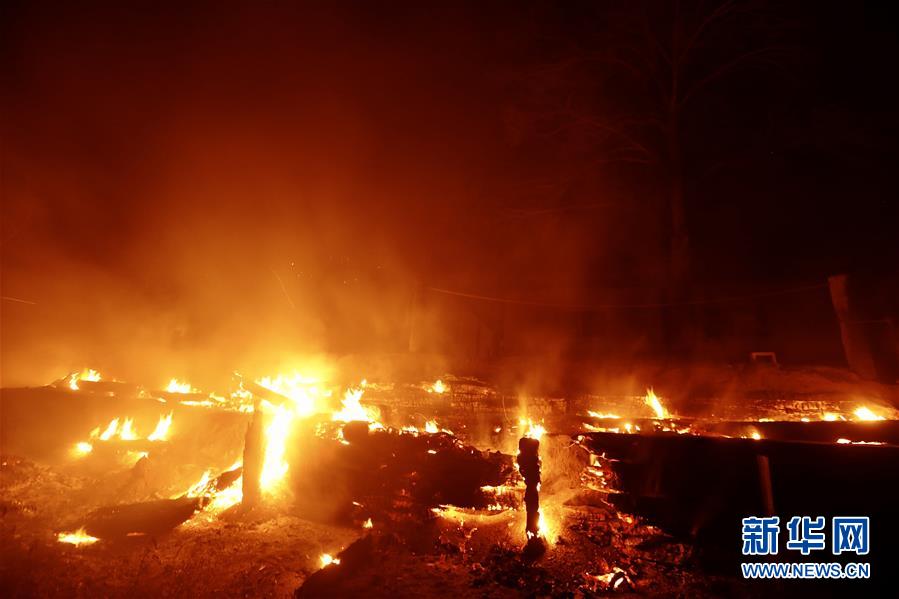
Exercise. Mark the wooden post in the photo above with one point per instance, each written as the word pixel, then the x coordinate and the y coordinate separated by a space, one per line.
pixel 253 457
pixel 529 466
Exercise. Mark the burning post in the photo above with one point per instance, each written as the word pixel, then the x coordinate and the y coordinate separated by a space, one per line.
pixel 529 466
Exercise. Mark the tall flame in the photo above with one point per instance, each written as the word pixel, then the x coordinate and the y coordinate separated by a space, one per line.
pixel 162 428
pixel 274 466
pixel 653 401
pixel 110 430
pixel 127 433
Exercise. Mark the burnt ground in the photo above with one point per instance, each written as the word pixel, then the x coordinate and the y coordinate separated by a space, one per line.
pixel 417 545
pixel 273 552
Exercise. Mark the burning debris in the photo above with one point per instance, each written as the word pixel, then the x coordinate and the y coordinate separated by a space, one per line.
pixel 319 452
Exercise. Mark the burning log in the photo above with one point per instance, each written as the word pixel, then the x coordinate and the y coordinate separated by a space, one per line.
pixel 529 466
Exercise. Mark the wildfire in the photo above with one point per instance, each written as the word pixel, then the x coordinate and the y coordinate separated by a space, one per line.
pixel 88 374
pixel 162 428
pixel 653 401
pixel 326 560
pixel 77 538
pixel 865 413
pixel 176 386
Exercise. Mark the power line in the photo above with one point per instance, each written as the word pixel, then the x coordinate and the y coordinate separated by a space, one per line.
pixel 589 307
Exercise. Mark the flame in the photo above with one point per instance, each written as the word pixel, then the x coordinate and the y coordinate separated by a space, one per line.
pixel 842 441
pixel 176 386
pixel 274 466
pixel 110 430
pixel 865 413
pixel 431 427
pixel 201 487
pixel 77 538
pixel 831 417
pixel 601 416
pixel 353 410
pixel 88 374
pixel 226 498
pixel 367 524
pixel 439 387
pixel 82 448
pixel 127 432
pixel 653 401
pixel 303 391
pixel 532 430
pixel 327 560
pixel 162 428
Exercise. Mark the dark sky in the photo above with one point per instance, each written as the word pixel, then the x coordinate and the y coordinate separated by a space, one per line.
pixel 180 177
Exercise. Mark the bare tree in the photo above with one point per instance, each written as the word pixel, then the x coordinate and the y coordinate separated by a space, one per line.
pixel 620 89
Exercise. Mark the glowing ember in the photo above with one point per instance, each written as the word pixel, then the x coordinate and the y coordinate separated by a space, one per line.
pixel 176 386
pixel 88 374
pixel 653 401
pixel 439 387
pixel 162 428
pixel 865 413
pixel 327 560
pixel 77 538
pixel 532 430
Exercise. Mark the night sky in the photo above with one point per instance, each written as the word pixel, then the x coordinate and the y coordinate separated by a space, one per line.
pixel 177 179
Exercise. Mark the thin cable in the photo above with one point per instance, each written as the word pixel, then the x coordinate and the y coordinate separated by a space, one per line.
pixel 588 307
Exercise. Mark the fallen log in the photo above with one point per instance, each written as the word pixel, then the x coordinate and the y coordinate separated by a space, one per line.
pixel 145 518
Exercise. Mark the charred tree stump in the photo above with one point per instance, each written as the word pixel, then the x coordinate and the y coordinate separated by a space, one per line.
pixel 253 454
pixel 529 466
